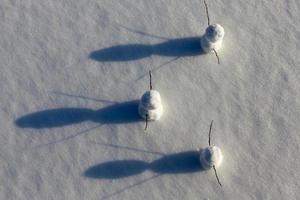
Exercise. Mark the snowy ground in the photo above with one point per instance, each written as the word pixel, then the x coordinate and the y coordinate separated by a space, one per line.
pixel 71 72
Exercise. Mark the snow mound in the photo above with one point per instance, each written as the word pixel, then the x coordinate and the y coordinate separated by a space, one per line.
pixel 211 156
pixel 150 105
pixel 213 38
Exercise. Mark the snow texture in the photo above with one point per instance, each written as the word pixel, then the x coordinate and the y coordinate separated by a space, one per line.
pixel 211 156
pixel 71 75
pixel 213 38
pixel 150 105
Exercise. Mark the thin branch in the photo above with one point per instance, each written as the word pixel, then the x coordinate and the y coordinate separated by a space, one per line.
pixel 217 176
pixel 217 56
pixel 206 8
pixel 146 121
pixel 150 79
pixel 210 132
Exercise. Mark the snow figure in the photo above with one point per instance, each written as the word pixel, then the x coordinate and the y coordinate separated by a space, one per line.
pixel 150 106
pixel 213 38
pixel 211 157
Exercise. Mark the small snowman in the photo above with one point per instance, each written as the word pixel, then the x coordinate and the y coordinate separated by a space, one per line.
pixel 212 39
pixel 150 107
pixel 211 156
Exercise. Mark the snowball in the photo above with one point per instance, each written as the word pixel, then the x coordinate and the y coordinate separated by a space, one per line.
pixel 213 38
pixel 150 104
pixel 211 156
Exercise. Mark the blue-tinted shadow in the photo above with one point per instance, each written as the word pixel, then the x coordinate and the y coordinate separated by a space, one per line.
pixel 116 113
pixel 184 162
pixel 189 46
pixel 116 169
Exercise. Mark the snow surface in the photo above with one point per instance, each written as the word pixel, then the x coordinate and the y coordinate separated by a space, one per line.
pixel 72 73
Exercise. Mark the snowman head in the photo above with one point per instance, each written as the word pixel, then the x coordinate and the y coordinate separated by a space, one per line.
pixel 151 99
pixel 214 32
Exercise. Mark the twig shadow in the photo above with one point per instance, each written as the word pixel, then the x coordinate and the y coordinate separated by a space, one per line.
pixel 130 186
pixel 158 67
pixel 142 33
pixel 85 97
pixel 65 138
pixel 128 148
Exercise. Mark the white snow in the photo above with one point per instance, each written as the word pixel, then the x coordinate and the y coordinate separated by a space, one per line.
pixel 150 105
pixel 70 77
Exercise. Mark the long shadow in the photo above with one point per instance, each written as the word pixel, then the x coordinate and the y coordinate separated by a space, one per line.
pixel 184 162
pixel 113 114
pixel 189 46
pixel 116 169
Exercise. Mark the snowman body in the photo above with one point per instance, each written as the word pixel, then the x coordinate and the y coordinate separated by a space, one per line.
pixel 211 156
pixel 213 38
pixel 150 106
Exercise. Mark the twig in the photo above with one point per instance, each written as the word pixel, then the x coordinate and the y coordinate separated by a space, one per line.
pixel 146 121
pixel 217 176
pixel 206 8
pixel 217 56
pixel 208 23
pixel 150 79
pixel 210 132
